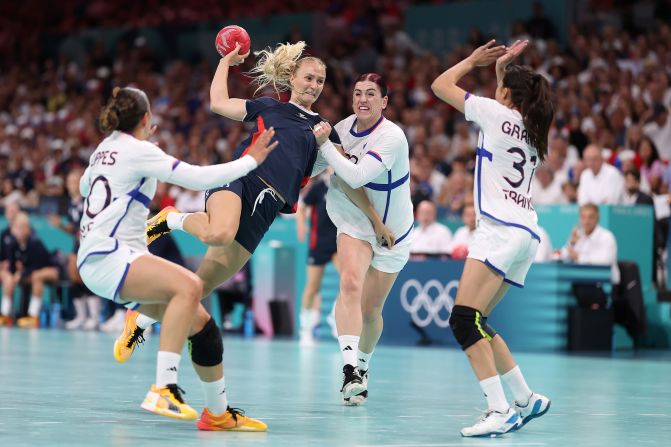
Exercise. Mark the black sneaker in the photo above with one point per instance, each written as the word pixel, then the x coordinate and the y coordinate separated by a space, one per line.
pixel 360 398
pixel 352 383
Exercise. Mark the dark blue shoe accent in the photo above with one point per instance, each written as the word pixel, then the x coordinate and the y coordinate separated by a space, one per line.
pixel 534 414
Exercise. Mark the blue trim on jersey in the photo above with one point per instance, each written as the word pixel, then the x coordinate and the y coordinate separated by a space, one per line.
pixel 386 206
pixel 137 195
pixel 137 188
pixel 175 164
pixel 484 153
pixel 466 96
pixel 367 131
pixel 120 285
pixel 374 155
pixel 116 247
pixel 388 186
pixel 405 235
pixel 496 269
pixel 513 283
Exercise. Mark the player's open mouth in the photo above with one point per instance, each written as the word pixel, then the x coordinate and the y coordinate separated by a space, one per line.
pixel 364 108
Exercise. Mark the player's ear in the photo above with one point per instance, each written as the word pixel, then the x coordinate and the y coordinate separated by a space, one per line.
pixel 385 101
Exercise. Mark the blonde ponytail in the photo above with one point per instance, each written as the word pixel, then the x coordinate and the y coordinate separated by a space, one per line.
pixel 276 67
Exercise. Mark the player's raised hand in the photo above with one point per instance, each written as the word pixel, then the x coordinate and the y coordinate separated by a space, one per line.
pixel 322 132
pixel 262 147
pixel 487 53
pixel 511 53
pixel 233 58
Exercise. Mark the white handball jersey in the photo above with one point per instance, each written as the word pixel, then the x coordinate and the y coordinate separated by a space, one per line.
pixel 382 164
pixel 505 164
pixel 120 182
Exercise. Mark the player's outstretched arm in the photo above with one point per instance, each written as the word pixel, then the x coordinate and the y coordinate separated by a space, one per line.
pixel 220 102
pixel 206 177
pixel 445 86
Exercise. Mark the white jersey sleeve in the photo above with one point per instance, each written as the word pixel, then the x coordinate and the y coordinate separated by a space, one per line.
pixel 482 111
pixel 355 175
pixel 151 161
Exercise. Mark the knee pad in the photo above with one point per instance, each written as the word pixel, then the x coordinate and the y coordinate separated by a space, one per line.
pixel 466 325
pixel 487 328
pixel 207 346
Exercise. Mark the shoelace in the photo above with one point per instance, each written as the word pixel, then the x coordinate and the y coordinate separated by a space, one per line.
pixel 176 391
pixel 259 198
pixel 235 412
pixel 136 337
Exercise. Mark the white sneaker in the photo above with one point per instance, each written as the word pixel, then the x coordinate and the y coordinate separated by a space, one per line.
pixel 115 323
pixel 492 424
pixel 91 324
pixel 360 398
pixel 306 339
pixel 537 406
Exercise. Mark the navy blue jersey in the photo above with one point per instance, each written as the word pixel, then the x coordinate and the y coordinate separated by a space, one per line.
pixel 321 226
pixel 33 256
pixel 289 166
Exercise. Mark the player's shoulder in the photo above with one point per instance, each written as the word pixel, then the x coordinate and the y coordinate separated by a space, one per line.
pixel 345 124
pixel 390 127
pixel 267 101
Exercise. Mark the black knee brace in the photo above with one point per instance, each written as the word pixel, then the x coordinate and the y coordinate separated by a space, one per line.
pixel 466 324
pixel 487 328
pixel 207 347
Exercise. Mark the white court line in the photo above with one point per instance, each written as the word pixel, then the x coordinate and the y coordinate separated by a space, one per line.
pixel 46 422
pixel 309 417
pixel 8 408
pixel 653 414
pixel 602 414
pixel 476 444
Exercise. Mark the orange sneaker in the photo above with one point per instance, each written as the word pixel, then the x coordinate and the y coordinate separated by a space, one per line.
pixel 157 226
pixel 233 419
pixel 6 321
pixel 167 401
pixel 131 336
pixel 28 322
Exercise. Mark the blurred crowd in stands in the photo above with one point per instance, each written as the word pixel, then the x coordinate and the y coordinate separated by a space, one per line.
pixel 611 140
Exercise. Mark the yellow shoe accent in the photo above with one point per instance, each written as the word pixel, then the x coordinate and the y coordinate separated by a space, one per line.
pixel 6 321
pixel 131 336
pixel 232 419
pixel 167 401
pixel 28 322
pixel 157 226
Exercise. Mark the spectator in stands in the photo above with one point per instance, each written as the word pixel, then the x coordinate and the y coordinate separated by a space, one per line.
pixel 462 237
pixel 659 130
pixel 600 183
pixel 546 189
pixel 7 241
pixel 29 263
pixel 431 237
pixel 590 243
pixel 652 168
pixel 633 194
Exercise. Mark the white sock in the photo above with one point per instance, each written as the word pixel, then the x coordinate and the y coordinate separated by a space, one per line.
pixel 314 315
pixel 515 381
pixel 215 396
pixel 349 345
pixel 34 306
pixel 167 364
pixel 309 319
pixel 6 306
pixel 175 221
pixel 144 321
pixel 364 360
pixel 496 399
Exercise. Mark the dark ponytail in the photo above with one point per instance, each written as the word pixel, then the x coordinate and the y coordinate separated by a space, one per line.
pixel 124 110
pixel 530 93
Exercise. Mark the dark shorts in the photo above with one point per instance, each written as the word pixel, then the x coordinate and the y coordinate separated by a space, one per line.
pixel 252 228
pixel 324 247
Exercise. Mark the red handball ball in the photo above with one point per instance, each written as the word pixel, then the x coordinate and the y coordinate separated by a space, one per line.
pixel 460 252
pixel 229 36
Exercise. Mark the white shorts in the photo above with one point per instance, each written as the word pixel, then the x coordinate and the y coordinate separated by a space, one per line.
pixel 103 265
pixel 384 259
pixel 507 250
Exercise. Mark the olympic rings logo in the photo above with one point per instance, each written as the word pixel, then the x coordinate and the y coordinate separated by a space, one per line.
pixel 425 303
